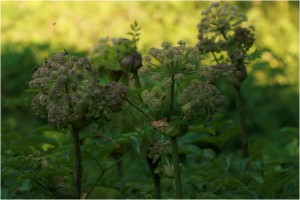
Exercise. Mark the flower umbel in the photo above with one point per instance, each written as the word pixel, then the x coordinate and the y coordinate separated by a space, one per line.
pixel 70 92
pixel 200 100
pixel 169 61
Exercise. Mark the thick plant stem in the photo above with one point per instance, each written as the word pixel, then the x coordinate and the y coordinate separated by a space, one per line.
pixel 77 157
pixel 174 147
pixel 137 80
pixel 242 116
pixel 156 177
pixel 177 176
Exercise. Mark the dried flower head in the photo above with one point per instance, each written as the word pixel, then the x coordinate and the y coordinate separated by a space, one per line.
pixel 200 100
pixel 69 92
pixel 131 62
pixel 115 93
pixel 158 149
pixel 215 72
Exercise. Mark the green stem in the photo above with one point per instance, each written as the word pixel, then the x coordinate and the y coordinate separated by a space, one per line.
pixel 176 168
pixel 242 116
pixel 103 171
pixel 136 107
pixel 172 89
pixel 77 156
pixel 174 146
pixel 156 177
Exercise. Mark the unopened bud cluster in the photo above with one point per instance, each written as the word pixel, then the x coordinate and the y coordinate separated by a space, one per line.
pixel 70 92
pixel 116 54
pixel 200 100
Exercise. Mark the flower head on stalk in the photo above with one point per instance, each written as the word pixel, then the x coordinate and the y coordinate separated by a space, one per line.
pixel 169 61
pixel 180 65
pixel 69 92
pixel 219 21
pixel 220 30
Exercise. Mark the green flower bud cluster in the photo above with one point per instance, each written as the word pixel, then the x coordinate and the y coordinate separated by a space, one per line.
pixel 154 98
pixel 169 61
pixel 70 93
pixel 116 54
pixel 200 100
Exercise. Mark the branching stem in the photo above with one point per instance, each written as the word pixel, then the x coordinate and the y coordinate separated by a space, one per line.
pixel 242 116
pixel 139 109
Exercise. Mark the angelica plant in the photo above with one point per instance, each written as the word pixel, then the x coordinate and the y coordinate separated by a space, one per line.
pixel 178 82
pixel 71 97
pixel 118 57
pixel 221 30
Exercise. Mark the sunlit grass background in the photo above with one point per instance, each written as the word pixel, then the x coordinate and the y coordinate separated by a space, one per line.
pixel 78 25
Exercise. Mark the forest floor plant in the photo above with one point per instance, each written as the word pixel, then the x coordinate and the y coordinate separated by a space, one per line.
pixel 178 72
pixel 71 97
pixel 220 30
pixel 120 56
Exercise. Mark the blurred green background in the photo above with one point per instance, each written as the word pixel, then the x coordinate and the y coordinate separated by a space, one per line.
pixel 31 31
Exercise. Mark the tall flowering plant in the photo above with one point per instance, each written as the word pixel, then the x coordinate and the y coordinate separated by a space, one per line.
pixel 71 97
pixel 182 85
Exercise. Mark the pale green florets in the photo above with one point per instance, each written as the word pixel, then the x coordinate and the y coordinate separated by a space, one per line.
pixel 171 60
pixel 70 93
pixel 153 98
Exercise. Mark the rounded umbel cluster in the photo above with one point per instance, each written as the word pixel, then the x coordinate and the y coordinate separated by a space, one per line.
pixel 69 92
pixel 200 100
pixel 220 21
pixel 115 93
pixel 169 61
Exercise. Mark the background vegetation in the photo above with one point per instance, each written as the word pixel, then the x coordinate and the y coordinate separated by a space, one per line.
pixel 32 31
